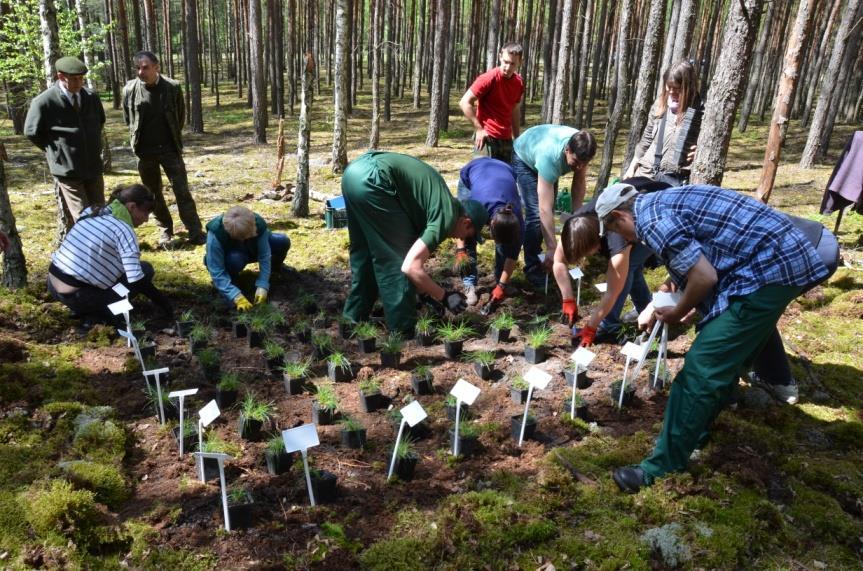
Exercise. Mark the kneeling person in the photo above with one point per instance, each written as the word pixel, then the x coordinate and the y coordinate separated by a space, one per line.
pixel 235 239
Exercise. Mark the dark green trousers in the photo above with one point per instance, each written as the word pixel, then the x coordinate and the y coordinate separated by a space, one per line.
pixel 500 149
pixel 381 235
pixel 710 371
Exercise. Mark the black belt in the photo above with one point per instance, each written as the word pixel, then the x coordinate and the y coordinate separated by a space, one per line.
pixel 66 278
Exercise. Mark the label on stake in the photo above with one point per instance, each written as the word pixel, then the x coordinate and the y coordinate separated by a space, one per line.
pixel 121 290
pixel 183 393
pixel 601 287
pixel 122 306
pixel 633 350
pixel 465 392
pixel 576 273
pixel 537 378
pixel 414 413
pixel 665 299
pixel 300 438
pixel 209 413
pixel 582 357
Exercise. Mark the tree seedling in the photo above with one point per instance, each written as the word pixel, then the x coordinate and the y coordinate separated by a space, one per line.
pixel 253 414
pixel 529 426
pixel 226 389
pixel 453 336
pixel 371 398
pixel 199 336
pixel 346 327
pixel 411 415
pixel 353 433
pixel 240 507
pixel 425 330
pixel 185 323
pixel 483 363
pixel 421 380
pixel 391 350
pixel 295 374
pixel 339 368
pixel 325 406
pixel 365 333
pixel 536 342
pixel 518 389
pixel 308 303
pixel 277 458
pixel 406 459
pixel 322 344
pixel 501 326
pixel 303 330
pixel 274 353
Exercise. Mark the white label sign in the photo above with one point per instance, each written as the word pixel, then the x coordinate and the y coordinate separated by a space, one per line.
pixel 465 392
pixel 214 455
pixel 538 378
pixel 414 413
pixel 583 357
pixel 633 350
pixel 119 307
pixel 209 413
pixel 541 257
pixel 300 438
pixel 158 372
pixel 601 287
pixel 665 299
pixel 183 393
pixel 121 290
pixel 576 273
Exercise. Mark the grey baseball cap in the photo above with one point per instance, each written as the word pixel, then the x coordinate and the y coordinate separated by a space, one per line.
pixel 610 198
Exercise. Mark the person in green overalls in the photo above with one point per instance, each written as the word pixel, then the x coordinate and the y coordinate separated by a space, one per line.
pixel 399 210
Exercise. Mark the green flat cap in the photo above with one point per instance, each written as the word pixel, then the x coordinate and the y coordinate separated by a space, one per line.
pixel 70 66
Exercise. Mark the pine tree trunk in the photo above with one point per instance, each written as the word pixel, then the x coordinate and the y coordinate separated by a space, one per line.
pixel 527 57
pixel 620 100
pixel 215 53
pixel 50 39
pixel 258 84
pixel 784 97
pixel 111 49
pixel 725 91
pixel 196 116
pixel 437 105
pixel 594 68
pixel 824 54
pixel 646 78
pixel 755 76
pixel 14 265
pixel 349 69
pixel 416 88
pixel 123 54
pixel 685 27
pixel 340 88
pixel 300 206
pixel 375 55
pixel 493 29
pixel 668 49
pixel 841 88
pixel 387 32
pixel 549 71
pixel 814 151
pixel 150 42
pixel 557 102
pixel 82 25
pixel 584 58
pixel 449 58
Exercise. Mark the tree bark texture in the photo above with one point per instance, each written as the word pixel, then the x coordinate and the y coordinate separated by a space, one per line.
pixel 437 105
pixel 14 265
pixel 668 49
pixel 340 89
pixel 725 91
pixel 493 29
pixel 125 57
pixel 685 27
pixel 376 15
pixel 420 46
pixel 149 26
pixel 193 48
pixel 784 97
pixel 755 76
pixel 557 104
pixel 258 85
pixel 50 39
pixel 300 206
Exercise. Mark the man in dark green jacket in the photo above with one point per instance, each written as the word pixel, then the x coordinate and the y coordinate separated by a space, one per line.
pixel 154 110
pixel 66 122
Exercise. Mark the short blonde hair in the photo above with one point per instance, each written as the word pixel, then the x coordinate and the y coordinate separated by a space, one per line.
pixel 239 223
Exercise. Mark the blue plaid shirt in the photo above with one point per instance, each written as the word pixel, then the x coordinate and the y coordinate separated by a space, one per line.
pixel 748 243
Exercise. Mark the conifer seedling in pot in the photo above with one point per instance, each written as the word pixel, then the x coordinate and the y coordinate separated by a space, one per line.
pixel 536 343
pixel 391 350
pixel 295 374
pixel 253 414
pixel 501 326
pixel 226 389
pixel 325 406
pixel 339 368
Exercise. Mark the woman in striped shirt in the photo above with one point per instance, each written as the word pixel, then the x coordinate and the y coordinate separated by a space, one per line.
pixel 100 251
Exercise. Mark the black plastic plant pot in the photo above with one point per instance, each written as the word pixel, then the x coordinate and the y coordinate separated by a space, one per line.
pixel 463 415
pixel 366 346
pixel 425 339
pixel 529 427
pixel 628 394
pixel 499 335
pixel 211 372
pixel 278 462
pixel 339 374
pixel 183 328
pixel 534 355
pixel 294 386
pixel 171 412
pixel 239 329
pixel 275 364
pixel 483 371
pixel 139 332
pixel 324 486
pixel 582 381
pixel 353 438
pixel 467 445
pixel 422 385
pixel 419 431
pixel 453 349
pixel 580 409
pixel 321 353
pixel 373 402
pixel 345 329
pixel 190 441
pixel 211 468
pixel 405 467
pixel 196 345
pixel 323 416
pixel 310 307
pixel 240 514
pixel 250 429
pixel 225 398
pixel 255 338
pixel 304 335
pixel 148 351
pixel 390 360
pixel 518 396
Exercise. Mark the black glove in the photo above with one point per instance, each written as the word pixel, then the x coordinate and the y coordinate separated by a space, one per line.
pixel 435 306
pixel 455 301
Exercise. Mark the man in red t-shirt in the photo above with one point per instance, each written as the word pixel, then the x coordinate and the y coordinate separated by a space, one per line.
pixel 496 94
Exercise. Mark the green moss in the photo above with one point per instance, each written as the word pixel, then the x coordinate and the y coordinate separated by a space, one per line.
pixel 846 435
pixel 105 480
pixel 146 555
pixel 821 518
pixel 100 441
pixel 398 554
pixel 62 407
pixel 57 507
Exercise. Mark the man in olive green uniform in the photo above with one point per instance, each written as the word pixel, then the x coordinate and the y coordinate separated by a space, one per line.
pixel 399 210
pixel 154 110
pixel 66 122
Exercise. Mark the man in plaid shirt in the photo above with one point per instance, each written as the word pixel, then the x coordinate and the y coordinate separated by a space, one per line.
pixel 740 263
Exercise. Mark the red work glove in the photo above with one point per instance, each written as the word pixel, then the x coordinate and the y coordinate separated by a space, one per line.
pixel 570 311
pixel 461 265
pixel 498 294
pixel 587 335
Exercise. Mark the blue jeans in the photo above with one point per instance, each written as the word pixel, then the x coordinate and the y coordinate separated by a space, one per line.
pixel 501 252
pixel 528 179
pixel 634 286
pixel 236 260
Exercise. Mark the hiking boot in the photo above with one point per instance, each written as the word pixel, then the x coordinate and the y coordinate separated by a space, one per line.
pixel 165 238
pixel 470 295
pixel 629 479
pixel 630 316
pixel 788 394
pixel 198 239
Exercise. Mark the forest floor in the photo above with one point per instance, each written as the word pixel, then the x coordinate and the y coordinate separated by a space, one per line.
pixel 777 487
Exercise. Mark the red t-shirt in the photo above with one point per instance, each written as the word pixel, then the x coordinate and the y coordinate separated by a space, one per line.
pixel 497 96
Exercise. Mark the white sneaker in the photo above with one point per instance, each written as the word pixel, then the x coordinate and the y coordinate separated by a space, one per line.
pixel 630 316
pixel 470 295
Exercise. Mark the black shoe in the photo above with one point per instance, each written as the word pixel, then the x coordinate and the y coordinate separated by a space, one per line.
pixel 198 239
pixel 629 479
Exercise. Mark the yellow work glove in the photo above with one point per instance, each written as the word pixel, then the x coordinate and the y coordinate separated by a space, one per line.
pixel 242 303
pixel 260 295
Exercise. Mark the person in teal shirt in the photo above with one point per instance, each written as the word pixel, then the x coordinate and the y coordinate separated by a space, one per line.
pixel 235 239
pixel 543 154
pixel 399 211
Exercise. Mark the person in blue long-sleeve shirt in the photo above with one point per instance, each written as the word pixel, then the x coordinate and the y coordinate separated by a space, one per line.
pixel 235 239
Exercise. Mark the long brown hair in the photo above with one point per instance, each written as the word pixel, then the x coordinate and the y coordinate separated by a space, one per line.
pixel 682 74
pixel 579 236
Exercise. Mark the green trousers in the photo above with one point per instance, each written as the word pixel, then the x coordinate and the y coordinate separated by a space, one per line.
pixel 710 371
pixel 381 235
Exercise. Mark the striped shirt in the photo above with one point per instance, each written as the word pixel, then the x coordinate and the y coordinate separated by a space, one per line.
pixel 99 250
pixel 748 243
